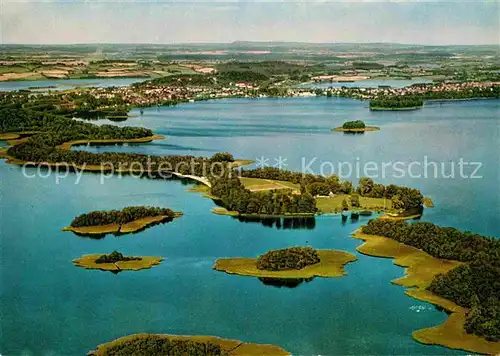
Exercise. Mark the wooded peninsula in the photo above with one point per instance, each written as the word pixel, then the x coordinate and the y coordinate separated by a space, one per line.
pixel 472 282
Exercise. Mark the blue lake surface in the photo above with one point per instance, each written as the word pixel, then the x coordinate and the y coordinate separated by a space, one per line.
pixel 50 307
pixel 372 83
pixel 66 84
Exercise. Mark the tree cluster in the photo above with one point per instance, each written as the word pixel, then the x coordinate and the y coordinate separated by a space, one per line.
pixel 288 258
pixel 116 256
pixel 401 197
pixel 358 124
pixel 126 215
pixel 222 157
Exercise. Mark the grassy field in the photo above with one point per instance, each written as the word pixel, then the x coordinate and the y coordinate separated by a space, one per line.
pixel 13 69
pixel 258 184
pixel 334 204
pixel 92 69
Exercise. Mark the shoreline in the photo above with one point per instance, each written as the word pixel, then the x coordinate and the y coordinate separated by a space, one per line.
pixel 130 227
pixel 223 211
pixel 69 144
pixel 420 269
pixel 365 129
pixel 376 108
pixel 331 265
pixel 229 346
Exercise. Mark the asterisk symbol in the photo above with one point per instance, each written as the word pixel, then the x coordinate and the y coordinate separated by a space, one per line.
pixel 280 162
pixel 262 162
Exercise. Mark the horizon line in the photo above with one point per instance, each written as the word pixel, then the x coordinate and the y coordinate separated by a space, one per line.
pixel 247 41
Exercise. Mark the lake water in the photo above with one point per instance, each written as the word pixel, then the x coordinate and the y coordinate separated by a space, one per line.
pixel 66 84
pixel 50 307
pixel 373 83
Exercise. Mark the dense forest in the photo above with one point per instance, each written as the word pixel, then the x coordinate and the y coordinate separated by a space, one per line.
pixel 115 256
pixel 358 124
pixel 475 285
pixel 222 157
pixel 126 215
pixel 288 258
pixel 235 197
pixel 156 345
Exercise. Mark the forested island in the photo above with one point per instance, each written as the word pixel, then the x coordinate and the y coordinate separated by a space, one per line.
pixel 465 279
pixel 292 262
pixel 288 258
pixel 355 126
pixel 179 345
pixel 129 219
pixel 116 262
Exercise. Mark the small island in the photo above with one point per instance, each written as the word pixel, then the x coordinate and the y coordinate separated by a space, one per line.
pixel 180 345
pixel 128 220
pixel 116 262
pixel 355 126
pixel 292 262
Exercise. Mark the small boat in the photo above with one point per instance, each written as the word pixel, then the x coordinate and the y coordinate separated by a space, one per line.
pixel 365 213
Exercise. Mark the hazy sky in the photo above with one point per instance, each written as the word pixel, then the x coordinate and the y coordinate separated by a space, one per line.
pixel 160 21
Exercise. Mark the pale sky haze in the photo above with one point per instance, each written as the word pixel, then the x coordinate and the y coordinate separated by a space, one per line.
pixel 97 21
